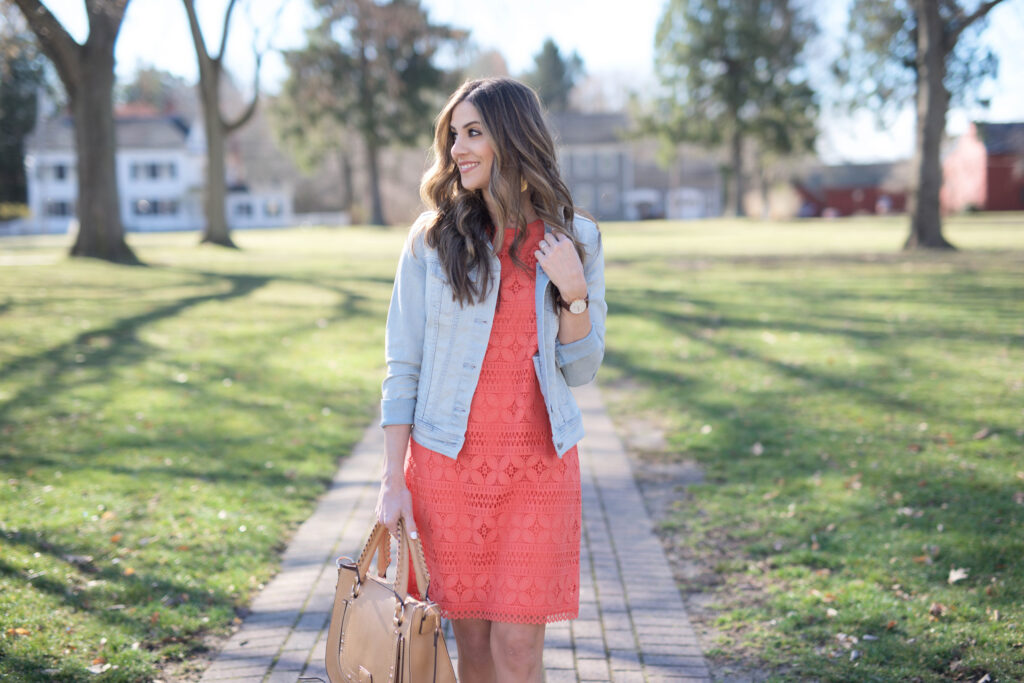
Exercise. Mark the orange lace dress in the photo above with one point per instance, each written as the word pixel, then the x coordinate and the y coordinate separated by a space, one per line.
pixel 501 524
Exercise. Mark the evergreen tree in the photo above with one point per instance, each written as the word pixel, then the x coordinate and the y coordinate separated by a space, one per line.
pixel 553 77
pixel 370 68
pixel 924 51
pixel 22 74
pixel 730 71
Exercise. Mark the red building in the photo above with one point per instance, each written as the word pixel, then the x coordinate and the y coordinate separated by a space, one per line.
pixel 985 170
pixel 853 189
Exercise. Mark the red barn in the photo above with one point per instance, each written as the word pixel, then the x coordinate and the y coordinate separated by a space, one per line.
pixel 1004 168
pixel 985 169
pixel 852 189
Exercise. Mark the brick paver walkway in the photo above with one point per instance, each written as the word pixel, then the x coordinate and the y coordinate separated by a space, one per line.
pixel 632 625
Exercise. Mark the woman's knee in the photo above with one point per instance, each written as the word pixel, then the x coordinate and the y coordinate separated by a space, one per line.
pixel 519 644
pixel 473 637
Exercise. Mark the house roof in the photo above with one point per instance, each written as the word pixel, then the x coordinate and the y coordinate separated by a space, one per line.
pixel 854 175
pixel 133 132
pixel 1002 138
pixel 576 128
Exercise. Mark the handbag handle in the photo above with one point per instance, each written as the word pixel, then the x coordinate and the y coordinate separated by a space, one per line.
pixel 408 545
pixel 379 544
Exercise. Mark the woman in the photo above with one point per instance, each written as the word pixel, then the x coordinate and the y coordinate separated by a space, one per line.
pixel 498 307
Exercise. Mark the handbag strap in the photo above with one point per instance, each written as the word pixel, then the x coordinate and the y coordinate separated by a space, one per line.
pixel 407 547
pixel 379 544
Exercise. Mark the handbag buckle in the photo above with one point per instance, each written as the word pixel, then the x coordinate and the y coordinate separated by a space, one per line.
pixel 399 613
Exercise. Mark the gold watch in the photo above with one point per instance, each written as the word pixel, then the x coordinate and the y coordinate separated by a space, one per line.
pixel 576 306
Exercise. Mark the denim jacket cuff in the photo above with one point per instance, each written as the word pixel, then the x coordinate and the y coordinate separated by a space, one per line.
pixel 577 350
pixel 397 411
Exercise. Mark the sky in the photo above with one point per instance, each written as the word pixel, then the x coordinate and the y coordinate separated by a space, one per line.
pixel 614 39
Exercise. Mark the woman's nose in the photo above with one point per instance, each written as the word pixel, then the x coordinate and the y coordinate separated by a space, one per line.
pixel 456 147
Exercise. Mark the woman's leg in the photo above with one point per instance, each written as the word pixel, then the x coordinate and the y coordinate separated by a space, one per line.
pixel 518 652
pixel 473 639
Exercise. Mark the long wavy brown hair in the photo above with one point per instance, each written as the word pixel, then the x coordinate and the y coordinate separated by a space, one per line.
pixel 462 229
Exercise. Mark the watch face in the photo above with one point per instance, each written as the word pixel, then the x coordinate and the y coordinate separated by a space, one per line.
pixel 578 306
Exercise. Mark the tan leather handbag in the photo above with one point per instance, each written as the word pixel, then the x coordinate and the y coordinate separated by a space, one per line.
pixel 378 633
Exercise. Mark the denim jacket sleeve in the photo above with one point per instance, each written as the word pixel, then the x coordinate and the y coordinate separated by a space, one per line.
pixel 579 360
pixel 403 337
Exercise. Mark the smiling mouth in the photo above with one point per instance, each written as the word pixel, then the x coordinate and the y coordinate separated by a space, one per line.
pixel 467 167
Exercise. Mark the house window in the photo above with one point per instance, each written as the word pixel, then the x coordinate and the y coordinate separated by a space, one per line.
pixel 153 170
pixel 583 196
pixel 272 208
pixel 58 208
pixel 243 209
pixel 583 164
pixel 608 202
pixel 155 207
pixel 54 171
pixel 608 164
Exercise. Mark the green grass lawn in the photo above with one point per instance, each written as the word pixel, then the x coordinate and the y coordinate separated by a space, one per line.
pixel 858 415
pixel 164 429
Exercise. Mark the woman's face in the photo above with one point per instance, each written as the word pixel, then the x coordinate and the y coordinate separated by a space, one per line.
pixel 471 147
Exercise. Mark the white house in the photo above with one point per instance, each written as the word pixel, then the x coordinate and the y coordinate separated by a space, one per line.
pixel 160 169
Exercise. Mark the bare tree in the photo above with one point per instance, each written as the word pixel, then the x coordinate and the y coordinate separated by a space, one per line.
pixel 926 51
pixel 217 127
pixel 87 72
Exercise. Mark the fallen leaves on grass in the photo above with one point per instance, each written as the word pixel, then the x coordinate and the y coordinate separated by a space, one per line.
pixel 956 574
pixel 982 434
pixel 937 610
pixel 18 631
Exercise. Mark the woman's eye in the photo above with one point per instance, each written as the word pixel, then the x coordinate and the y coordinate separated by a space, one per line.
pixel 473 132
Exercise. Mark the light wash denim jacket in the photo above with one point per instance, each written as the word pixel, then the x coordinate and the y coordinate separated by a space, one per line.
pixel 435 346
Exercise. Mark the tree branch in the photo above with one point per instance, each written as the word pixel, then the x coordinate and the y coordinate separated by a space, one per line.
pixel 227 24
pixel 974 16
pixel 57 43
pixel 197 33
pixel 244 117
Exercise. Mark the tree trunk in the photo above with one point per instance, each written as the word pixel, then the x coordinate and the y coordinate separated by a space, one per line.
pixel 737 171
pixel 217 129
pixel 87 72
pixel 376 206
pixel 216 230
pixel 348 191
pixel 932 103
pixel 100 232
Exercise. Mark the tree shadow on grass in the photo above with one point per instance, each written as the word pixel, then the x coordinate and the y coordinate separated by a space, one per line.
pixel 767 507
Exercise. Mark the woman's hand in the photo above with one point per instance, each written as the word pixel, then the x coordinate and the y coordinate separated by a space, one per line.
pixel 558 258
pixel 394 502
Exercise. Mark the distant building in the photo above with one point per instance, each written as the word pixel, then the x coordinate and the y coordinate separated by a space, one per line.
pixel 595 161
pixel 985 169
pixel 160 173
pixel 618 178
pixel 852 189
